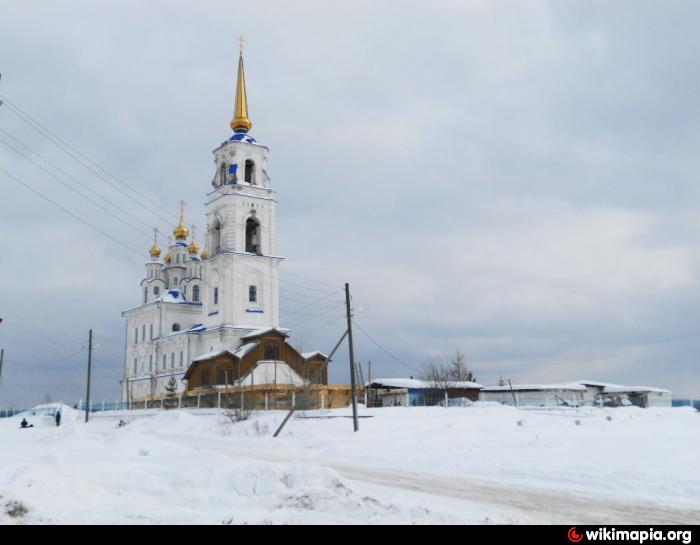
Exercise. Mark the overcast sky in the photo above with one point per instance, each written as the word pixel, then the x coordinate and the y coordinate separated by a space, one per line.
pixel 516 179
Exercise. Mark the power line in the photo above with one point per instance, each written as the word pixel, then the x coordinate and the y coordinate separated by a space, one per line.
pixel 98 205
pixel 75 216
pixel 83 159
pixel 71 177
pixel 392 356
pixel 311 280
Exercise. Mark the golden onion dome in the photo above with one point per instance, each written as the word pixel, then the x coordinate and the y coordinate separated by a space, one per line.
pixel 205 253
pixel 155 249
pixel 181 232
pixel 193 248
pixel 168 258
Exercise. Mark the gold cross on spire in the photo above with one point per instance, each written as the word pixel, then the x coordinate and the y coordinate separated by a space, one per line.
pixel 241 122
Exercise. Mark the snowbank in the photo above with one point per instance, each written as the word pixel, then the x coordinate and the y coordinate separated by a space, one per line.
pixel 483 463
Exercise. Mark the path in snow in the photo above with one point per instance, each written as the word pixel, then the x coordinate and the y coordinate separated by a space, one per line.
pixel 538 506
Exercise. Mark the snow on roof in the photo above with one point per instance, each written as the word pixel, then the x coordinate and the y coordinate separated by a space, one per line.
pixel 272 372
pixel 420 384
pixel 262 331
pixel 535 387
pixel 211 355
pixel 634 390
pixel 243 350
pixel 172 296
pixel 620 389
pixel 242 137
pixel 307 355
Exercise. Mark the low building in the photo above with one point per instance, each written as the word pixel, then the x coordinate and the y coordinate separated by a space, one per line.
pixel 617 395
pixel 536 395
pixel 409 392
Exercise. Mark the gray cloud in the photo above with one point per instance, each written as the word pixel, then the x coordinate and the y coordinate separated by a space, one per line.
pixel 513 178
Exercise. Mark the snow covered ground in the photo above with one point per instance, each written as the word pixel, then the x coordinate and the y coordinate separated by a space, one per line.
pixel 481 464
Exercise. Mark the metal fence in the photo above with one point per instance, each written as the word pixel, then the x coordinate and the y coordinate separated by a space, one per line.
pixel 278 400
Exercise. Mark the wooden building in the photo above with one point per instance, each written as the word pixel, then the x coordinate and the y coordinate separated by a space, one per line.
pixel 264 353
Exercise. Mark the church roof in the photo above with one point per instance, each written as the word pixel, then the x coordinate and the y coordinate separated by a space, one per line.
pixel 172 296
pixel 242 137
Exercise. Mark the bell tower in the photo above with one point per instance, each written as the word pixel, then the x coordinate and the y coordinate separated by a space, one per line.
pixel 241 272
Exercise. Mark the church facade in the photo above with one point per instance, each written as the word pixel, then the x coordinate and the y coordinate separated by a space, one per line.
pixel 197 307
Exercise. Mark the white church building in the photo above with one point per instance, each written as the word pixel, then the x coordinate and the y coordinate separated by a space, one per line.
pixel 194 304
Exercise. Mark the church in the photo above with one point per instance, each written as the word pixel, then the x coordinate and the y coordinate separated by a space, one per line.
pixel 212 318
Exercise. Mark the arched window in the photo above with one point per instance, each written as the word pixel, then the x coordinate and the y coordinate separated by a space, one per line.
pixel 156 291
pixel 252 294
pixel 195 293
pixel 176 327
pixel 216 237
pixel 216 296
pixel 223 174
pixel 250 172
pixel 252 236
pixel 145 295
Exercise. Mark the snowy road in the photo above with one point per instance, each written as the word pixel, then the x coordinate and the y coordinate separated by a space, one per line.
pixel 534 505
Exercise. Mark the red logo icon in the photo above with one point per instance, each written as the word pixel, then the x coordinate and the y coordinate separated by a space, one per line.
pixel 574 536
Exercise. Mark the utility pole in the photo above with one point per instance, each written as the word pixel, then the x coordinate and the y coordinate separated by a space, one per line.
pixel 307 388
pixel 352 359
pixel 89 373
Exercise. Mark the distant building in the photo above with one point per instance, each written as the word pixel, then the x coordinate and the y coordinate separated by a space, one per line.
pixel 577 394
pixel 405 392
pixel 616 395
pixel 536 395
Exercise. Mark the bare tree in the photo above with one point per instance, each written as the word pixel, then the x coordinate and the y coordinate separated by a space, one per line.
pixel 438 374
pixel 442 375
pixel 458 370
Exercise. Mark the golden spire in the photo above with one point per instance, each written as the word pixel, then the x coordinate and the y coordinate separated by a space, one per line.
pixel 181 232
pixel 240 121
pixel 169 256
pixel 155 249
pixel 193 248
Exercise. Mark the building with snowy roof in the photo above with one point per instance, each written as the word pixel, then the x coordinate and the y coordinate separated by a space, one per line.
pixel 536 395
pixel 612 395
pixel 576 394
pixel 213 316
pixel 410 392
